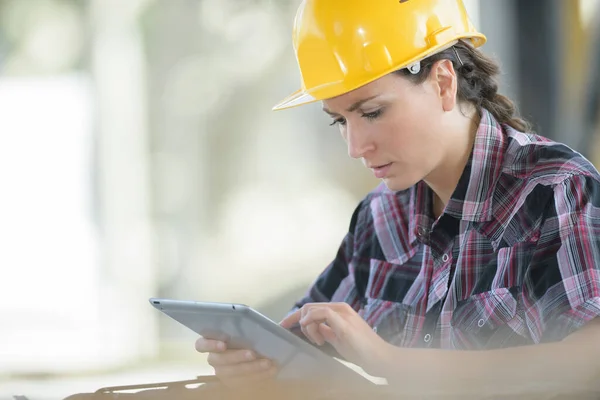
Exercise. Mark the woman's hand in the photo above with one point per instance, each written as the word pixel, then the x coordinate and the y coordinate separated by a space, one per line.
pixel 236 367
pixel 348 333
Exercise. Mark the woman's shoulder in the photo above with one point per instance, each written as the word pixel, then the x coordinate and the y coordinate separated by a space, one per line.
pixel 537 174
pixel 541 160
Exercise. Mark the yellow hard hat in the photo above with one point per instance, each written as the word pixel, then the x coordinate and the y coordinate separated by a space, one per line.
pixel 342 45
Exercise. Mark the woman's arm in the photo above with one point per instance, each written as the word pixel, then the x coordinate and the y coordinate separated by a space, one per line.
pixel 570 368
pixel 567 369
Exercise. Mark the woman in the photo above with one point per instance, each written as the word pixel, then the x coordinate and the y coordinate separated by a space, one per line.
pixel 482 239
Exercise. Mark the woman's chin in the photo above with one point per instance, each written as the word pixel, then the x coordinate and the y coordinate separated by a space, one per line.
pixel 396 184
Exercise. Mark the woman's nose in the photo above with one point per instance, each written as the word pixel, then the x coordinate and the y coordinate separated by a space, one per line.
pixel 358 142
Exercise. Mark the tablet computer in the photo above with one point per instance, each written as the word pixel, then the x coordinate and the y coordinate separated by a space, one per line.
pixel 240 326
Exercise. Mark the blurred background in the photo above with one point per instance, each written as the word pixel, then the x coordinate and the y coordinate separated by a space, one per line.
pixel 139 157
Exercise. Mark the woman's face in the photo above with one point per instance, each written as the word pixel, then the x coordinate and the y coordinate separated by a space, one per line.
pixel 394 126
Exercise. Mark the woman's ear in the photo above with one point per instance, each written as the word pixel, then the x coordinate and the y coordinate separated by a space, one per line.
pixel 445 82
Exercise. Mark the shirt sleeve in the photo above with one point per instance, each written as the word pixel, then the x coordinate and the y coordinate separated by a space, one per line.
pixel 562 284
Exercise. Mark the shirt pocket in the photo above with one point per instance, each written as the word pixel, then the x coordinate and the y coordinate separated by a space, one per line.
pixel 387 318
pixel 489 320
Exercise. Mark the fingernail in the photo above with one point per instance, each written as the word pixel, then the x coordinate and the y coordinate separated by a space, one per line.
pixel 249 355
pixel 221 346
pixel 265 364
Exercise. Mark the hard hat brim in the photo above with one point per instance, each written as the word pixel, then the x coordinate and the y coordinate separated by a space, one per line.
pixel 296 99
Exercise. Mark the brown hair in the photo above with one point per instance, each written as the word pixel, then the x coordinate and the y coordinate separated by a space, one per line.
pixel 477 82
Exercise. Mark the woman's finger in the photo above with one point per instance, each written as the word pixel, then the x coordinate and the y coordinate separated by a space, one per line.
pixel 291 319
pixel 306 334
pixel 231 357
pixel 312 332
pixel 327 333
pixel 209 346
pixel 326 315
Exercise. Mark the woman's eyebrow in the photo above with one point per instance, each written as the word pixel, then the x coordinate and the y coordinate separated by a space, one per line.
pixel 353 107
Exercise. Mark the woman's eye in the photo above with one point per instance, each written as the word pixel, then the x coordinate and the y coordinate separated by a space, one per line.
pixel 340 121
pixel 372 115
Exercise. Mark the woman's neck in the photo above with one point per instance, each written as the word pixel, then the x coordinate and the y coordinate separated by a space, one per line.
pixel 444 178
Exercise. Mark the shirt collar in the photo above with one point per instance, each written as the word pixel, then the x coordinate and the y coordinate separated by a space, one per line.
pixel 474 194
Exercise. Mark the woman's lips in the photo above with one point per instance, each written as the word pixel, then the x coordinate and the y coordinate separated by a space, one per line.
pixel 381 171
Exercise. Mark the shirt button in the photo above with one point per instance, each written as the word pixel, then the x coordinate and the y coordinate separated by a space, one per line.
pixel 480 323
pixel 427 338
pixel 375 329
pixel 445 258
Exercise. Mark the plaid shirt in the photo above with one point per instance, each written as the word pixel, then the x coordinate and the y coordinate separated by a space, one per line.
pixel 513 259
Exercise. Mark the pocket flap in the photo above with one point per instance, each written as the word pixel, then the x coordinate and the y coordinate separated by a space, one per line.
pixel 387 318
pixel 485 311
